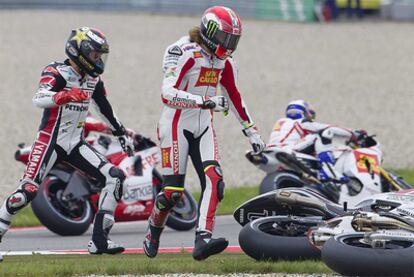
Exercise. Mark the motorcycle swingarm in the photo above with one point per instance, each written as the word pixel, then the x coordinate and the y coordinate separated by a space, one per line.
pixel 77 188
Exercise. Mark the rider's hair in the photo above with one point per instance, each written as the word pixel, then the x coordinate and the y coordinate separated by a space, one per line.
pixel 195 35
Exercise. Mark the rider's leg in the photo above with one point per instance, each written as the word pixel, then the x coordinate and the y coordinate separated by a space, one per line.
pixel 42 158
pixel 87 159
pixel 169 196
pixel 323 148
pixel 174 154
pixel 205 157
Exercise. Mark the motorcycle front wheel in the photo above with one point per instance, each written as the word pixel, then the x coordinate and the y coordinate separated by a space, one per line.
pixel 184 215
pixel 278 238
pixel 348 255
pixel 65 217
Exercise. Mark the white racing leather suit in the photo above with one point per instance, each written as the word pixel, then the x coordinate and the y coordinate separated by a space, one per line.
pixel 60 139
pixel 191 75
pixel 299 135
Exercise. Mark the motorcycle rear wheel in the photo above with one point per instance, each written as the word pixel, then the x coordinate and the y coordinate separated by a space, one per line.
pixel 260 240
pixel 52 209
pixel 347 255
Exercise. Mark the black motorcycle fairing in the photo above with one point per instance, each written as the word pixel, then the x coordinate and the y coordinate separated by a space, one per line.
pixel 289 201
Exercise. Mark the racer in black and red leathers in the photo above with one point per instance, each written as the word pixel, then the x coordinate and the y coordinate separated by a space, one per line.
pixel 194 68
pixel 66 90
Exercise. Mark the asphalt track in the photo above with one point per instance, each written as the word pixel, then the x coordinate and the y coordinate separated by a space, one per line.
pixel 25 241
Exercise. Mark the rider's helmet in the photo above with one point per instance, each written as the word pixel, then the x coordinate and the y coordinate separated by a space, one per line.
pixel 300 109
pixel 220 30
pixel 88 49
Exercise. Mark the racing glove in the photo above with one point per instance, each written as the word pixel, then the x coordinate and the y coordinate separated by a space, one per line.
pixel 255 140
pixel 125 140
pixel 217 103
pixel 127 144
pixel 72 95
pixel 357 137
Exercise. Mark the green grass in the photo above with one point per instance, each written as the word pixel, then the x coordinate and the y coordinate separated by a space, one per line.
pixel 26 217
pixel 232 199
pixel 407 174
pixel 137 264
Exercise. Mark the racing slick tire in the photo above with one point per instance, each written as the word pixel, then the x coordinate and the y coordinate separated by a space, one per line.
pixel 257 240
pixel 52 210
pixel 347 255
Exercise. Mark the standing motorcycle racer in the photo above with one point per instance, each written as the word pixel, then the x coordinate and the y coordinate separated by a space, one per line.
pixel 194 67
pixel 66 90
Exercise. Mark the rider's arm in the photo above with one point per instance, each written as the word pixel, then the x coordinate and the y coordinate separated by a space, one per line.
pixel 105 111
pixel 316 127
pixel 176 64
pixel 228 84
pixel 50 83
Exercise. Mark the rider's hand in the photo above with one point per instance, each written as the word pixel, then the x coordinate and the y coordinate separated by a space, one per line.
pixel 357 136
pixel 217 103
pixel 255 140
pixel 127 144
pixel 72 95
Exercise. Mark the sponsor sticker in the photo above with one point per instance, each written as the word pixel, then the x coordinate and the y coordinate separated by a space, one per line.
pixel 197 54
pixel 96 38
pixel 363 158
pixel 165 157
pixel 208 77
pixel 175 50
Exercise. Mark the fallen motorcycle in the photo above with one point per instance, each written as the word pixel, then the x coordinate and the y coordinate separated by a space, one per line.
pixel 67 199
pixel 375 243
pixel 276 223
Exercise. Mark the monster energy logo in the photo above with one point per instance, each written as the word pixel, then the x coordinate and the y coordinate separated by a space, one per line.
pixel 212 27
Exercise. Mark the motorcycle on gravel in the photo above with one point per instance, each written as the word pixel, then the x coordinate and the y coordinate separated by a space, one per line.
pixel 375 240
pixel 67 199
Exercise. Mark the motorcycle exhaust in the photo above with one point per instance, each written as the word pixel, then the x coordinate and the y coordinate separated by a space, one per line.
pixel 369 224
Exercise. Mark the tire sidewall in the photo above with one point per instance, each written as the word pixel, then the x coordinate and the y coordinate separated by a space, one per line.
pixel 52 219
pixel 352 260
pixel 263 246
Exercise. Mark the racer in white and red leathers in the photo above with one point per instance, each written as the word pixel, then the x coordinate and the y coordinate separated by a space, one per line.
pixel 192 78
pixel 65 93
pixel 299 133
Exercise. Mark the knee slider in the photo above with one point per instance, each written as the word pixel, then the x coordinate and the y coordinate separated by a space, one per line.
pixel 21 197
pixel 214 173
pixel 168 198
pixel 117 177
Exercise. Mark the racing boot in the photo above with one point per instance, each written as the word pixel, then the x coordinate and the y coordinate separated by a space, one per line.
pixel 100 242
pixel 205 246
pixel 152 240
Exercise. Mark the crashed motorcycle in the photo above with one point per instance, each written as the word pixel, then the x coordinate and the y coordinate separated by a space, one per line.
pixel 68 198
pixel 377 239
pixel 276 223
